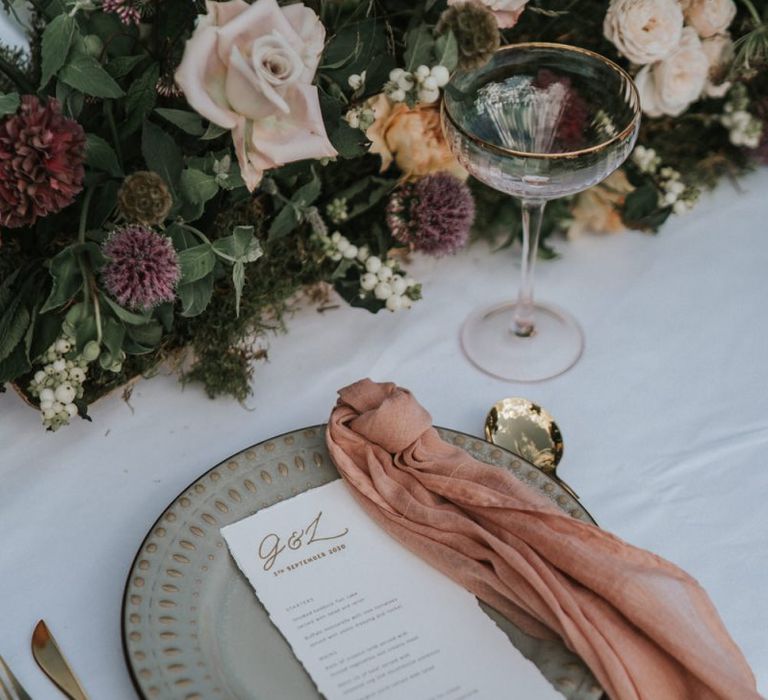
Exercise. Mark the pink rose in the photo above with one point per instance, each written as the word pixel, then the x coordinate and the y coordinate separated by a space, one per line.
pixel 249 68
pixel 506 12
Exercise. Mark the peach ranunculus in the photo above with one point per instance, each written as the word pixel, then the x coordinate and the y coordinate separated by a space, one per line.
pixel 596 210
pixel 644 30
pixel 411 137
pixel 709 17
pixel 506 12
pixel 669 86
pixel 249 68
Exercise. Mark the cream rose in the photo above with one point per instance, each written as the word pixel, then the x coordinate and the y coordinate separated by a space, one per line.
pixel 644 31
pixel 249 68
pixel 709 17
pixel 719 52
pixel 669 86
pixel 411 137
pixel 506 12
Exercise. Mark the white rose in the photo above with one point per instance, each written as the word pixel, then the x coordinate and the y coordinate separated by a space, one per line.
pixel 644 31
pixel 669 86
pixel 709 17
pixel 719 52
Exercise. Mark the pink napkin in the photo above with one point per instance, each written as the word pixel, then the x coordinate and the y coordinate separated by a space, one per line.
pixel 645 628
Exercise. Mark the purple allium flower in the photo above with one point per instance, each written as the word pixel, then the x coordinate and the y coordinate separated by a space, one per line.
pixel 142 269
pixel 127 10
pixel 433 215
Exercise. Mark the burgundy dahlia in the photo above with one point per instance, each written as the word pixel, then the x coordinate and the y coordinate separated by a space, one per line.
pixel 142 269
pixel 41 162
pixel 432 215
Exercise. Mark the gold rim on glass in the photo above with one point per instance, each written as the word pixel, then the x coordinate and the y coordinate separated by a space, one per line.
pixel 622 135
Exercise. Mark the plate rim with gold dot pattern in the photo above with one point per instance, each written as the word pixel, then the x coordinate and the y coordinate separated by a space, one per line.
pixel 192 628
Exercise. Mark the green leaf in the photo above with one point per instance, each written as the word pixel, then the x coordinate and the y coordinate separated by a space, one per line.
pixel 195 296
pixel 85 331
pixel 188 122
pixel 7 294
pixel 419 44
pixel 238 280
pixel 162 155
pixel 196 263
pixel 213 132
pixel 13 366
pixel 447 50
pixel 46 329
pixel 308 193
pixel 84 73
pixel 140 99
pixel 121 66
pixel 148 335
pixel 9 103
pixel 13 325
pixel 130 317
pixel 164 314
pixel 285 222
pixel 71 100
pixel 247 246
pixel 197 186
pixel 67 279
pixel 100 155
pixel 56 42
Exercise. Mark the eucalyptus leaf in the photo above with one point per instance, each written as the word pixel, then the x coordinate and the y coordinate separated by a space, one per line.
pixel 85 73
pixel 162 155
pixel 9 103
pixel 238 280
pixel 188 122
pixel 120 66
pixel 198 187
pixel 419 44
pixel 285 222
pixel 13 326
pixel 196 263
pixel 132 318
pixel 195 296
pixel 67 280
pixel 56 42
pixel 213 132
pixel 447 50
pixel 100 155
pixel 140 99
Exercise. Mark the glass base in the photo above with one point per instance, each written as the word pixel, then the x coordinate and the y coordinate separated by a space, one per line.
pixel 490 343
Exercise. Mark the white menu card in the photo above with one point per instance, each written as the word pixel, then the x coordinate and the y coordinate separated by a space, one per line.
pixel 366 617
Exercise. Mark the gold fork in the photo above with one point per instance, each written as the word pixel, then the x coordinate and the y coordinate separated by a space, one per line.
pixel 18 691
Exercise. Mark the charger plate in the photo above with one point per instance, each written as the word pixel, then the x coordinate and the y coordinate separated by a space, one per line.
pixel 193 629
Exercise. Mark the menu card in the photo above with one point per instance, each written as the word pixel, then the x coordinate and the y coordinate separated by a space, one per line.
pixel 366 617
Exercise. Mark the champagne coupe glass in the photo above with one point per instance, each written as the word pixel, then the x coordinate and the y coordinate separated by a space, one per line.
pixel 539 121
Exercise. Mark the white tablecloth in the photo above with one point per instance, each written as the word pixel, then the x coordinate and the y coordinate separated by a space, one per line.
pixel 665 420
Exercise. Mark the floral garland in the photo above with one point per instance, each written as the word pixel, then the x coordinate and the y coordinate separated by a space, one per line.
pixel 173 173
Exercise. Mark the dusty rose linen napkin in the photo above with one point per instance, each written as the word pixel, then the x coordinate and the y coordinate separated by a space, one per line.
pixel 645 628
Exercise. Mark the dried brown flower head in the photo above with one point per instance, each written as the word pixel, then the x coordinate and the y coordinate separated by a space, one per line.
pixel 144 198
pixel 476 31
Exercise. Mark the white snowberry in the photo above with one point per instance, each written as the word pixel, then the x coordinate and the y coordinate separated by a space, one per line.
pixel 65 393
pixel 382 291
pixel 427 97
pixel 71 410
pixel 373 264
pixel 429 83
pixel 441 74
pixel 368 281
pixel 59 365
pixel 385 273
pixel 350 252
pixel 397 95
pixel 395 74
pixel 40 376
pixel 63 346
pixel 393 302
pixel 398 285
pixel 47 395
pixel 421 72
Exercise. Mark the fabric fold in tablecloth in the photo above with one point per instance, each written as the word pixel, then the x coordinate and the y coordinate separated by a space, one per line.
pixel 645 628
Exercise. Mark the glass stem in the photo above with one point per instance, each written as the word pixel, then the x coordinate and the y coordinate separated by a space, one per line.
pixel 533 213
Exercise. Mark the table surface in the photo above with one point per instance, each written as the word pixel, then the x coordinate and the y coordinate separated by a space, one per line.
pixel 665 423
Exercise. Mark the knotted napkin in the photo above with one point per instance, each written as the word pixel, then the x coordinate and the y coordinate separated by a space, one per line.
pixel 645 628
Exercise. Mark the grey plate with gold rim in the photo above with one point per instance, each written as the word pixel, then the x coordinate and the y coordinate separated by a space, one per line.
pixel 193 629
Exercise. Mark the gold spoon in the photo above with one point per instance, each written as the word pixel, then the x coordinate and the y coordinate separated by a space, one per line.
pixel 527 430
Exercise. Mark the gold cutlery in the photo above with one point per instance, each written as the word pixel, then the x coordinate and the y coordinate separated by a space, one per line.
pixel 18 691
pixel 54 665
pixel 530 432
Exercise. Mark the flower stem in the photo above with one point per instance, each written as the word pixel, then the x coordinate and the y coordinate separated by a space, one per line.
pixel 90 292
pixel 17 77
pixel 113 130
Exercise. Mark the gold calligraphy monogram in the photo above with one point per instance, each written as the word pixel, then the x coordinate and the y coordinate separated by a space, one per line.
pixel 271 545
